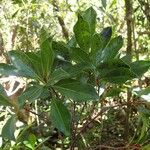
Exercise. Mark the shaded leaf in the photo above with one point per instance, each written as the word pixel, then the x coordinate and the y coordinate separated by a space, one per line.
pixel 115 71
pixel 4 100
pixel 75 90
pixel 117 75
pixel 2 90
pixel 140 67
pixel 31 94
pixel 61 117
pixel 113 92
pixel 9 128
pixel 79 55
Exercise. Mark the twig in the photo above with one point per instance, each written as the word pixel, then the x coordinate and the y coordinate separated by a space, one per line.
pixel 104 109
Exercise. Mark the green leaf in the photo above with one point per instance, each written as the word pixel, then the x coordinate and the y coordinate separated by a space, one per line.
pixel 113 92
pixel 104 4
pixel 115 71
pixel 7 70
pixel 9 128
pixel 69 71
pixel 47 54
pixel 140 67
pixel 32 140
pixel 2 90
pixel 35 62
pixel 61 117
pixel 118 75
pixel 4 100
pixel 112 49
pixel 57 75
pixel 145 121
pixel 23 64
pixel 75 90
pixel 146 147
pixel 78 55
pixel 31 94
pixel 99 42
pixel 82 33
pixel 90 17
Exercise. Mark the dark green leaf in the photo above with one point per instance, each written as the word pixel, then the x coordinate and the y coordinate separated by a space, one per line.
pixel 82 33
pixel 4 100
pixel 2 90
pixel 104 4
pixel 35 62
pixel 99 42
pixel 31 93
pixel 61 117
pixel 113 92
pixel 7 70
pixel 115 71
pixel 90 17
pixel 117 75
pixel 9 128
pixel 23 64
pixel 78 55
pixel 58 74
pixel 47 54
pixel 75 90
pixel 112 49
pixel 140 67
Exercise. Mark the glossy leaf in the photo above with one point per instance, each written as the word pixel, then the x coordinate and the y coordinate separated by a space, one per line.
pixel 82 33
pixel 90 17
pixel 9 128
pixel 61 117
pixel 47 54
pixel 7 70
pixel 75 90
pixel 23 64
pixel 140 67
pixel 99 42
pixel 112 49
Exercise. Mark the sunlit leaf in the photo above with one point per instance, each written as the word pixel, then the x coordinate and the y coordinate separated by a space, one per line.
pixel 82 33
pixel 47 54
pixel 90 17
